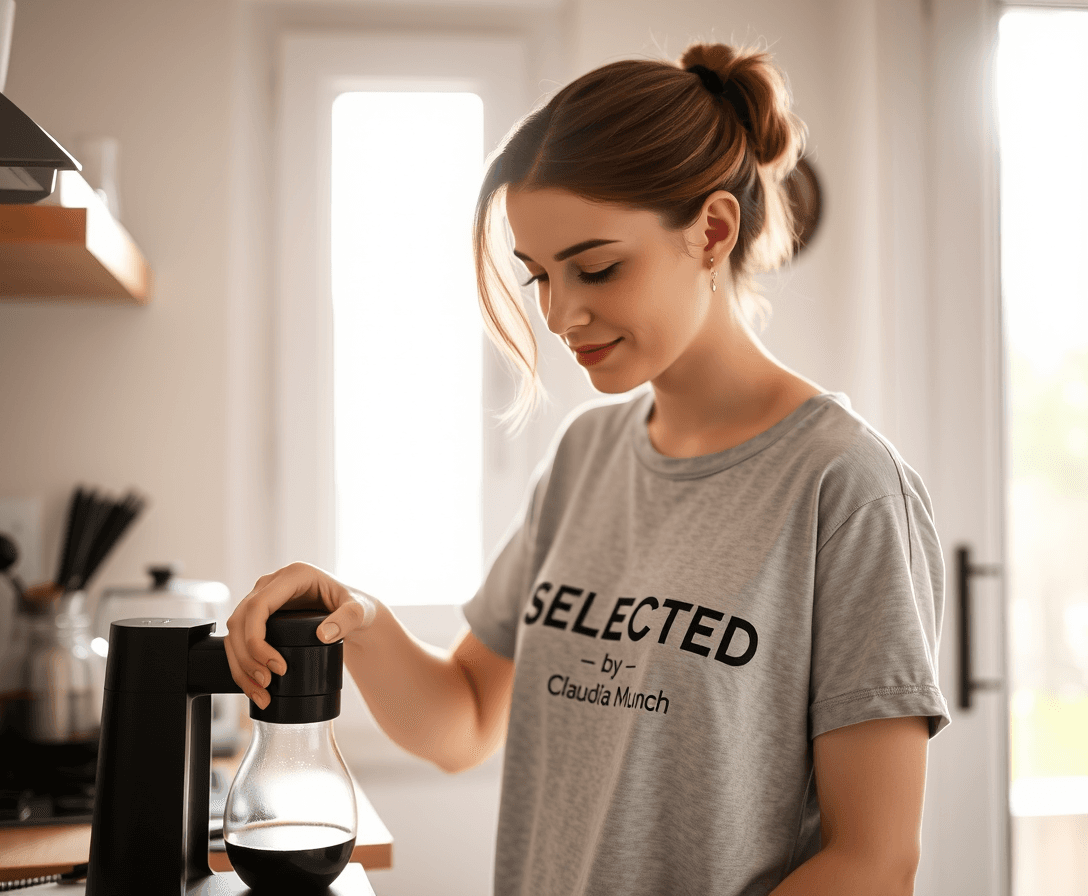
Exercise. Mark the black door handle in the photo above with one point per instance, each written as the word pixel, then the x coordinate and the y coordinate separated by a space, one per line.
pixel 965 569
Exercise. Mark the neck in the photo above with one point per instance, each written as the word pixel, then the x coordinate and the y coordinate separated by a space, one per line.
pixel 727 379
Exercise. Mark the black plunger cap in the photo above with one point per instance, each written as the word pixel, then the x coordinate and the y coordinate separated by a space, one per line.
pixel 294 628
pixel 310 690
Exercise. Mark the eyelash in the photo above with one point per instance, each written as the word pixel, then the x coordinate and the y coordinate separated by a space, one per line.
pixel 584 276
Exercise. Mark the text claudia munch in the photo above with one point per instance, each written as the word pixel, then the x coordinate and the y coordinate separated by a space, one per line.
pixel 599 694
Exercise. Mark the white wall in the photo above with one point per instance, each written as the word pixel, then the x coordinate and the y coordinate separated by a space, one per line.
pixel 121 395
pixel 175 398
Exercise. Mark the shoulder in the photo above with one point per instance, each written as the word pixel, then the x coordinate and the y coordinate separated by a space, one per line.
pixel 856 463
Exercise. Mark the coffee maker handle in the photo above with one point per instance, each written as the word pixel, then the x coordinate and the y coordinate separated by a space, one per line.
pixel 209 671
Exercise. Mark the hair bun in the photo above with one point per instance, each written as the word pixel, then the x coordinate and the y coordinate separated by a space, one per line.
pixel 715 57
pixel 711 79
pixel 753 83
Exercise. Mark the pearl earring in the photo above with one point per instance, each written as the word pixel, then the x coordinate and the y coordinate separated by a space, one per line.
pixel 713 277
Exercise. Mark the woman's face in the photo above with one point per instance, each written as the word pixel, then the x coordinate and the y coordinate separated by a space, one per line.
pixel 617 288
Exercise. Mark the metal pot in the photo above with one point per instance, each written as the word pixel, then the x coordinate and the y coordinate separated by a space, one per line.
pixel 171 597
pixel 49 677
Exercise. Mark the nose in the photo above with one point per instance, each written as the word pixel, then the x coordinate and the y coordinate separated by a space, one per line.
pixel 563 309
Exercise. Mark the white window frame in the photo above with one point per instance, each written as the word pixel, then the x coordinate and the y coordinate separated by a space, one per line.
pixel 314 69
pixel 1044 4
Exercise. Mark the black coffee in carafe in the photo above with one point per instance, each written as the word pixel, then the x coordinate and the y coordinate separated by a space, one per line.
pixel 292 870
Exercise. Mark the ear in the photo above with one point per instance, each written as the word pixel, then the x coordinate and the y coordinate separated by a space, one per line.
pixel 718 225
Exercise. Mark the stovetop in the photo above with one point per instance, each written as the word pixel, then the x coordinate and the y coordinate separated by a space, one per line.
pixel 54 784
pixel 30 808
pixel 46 783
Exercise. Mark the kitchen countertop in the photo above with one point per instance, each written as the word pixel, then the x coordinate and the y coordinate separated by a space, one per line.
pixel 57 849
pixel 351 882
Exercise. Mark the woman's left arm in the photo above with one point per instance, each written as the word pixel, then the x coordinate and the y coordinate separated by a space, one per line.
pixel 870 779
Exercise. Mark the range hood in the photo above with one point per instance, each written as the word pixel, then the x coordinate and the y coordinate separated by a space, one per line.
pixel 29 157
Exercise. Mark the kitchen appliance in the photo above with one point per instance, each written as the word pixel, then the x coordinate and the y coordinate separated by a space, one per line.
pixel 150 828
pixel 29 157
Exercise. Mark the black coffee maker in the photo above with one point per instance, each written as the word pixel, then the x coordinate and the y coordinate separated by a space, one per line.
pixel 151 815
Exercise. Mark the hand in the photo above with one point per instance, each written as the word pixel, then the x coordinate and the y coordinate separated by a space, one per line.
pixel 298 586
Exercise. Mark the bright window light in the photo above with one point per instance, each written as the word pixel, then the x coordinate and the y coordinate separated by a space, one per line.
pixel 1042 92
pixel 1042 101
pixel 408 344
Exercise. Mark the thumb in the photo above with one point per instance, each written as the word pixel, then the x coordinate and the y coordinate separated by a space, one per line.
pixel 354 614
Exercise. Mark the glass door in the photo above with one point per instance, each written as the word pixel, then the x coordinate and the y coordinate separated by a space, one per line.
pixel 1042 99
pixel 965 828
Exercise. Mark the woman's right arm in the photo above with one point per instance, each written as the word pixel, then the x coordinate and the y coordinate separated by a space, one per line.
pixel 447 706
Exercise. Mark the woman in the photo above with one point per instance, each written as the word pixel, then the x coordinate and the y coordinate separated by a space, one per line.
pixel 709 642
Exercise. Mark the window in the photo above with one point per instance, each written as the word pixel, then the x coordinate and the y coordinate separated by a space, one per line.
pixel 391 470
pixel 407 344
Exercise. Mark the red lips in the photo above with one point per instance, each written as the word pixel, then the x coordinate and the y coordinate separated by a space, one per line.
pixel 592 348
pixel 593 353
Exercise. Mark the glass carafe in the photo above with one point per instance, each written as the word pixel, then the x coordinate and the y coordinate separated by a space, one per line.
pixel 289 824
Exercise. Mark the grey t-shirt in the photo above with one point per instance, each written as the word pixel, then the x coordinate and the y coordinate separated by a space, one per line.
pixel 682 628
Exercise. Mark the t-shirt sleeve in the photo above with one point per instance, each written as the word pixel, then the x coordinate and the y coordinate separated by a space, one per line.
pixel 877 610
pixel 492 613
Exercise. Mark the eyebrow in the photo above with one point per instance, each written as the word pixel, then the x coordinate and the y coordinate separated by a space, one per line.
pixel 571 251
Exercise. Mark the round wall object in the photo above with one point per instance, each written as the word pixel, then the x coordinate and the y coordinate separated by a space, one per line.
pixel 806 199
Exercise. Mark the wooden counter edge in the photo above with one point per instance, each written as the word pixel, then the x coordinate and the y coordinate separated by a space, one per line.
pixel 45 850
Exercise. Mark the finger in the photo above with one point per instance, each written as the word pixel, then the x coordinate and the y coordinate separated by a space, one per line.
pixel 246 680
pixel 233 662
pixel 250 688
pixel 355 612
pixel 271 594
pixel 254 659
pixel 237 653
pixel 331 593
pixel 237 626
pixel 259 651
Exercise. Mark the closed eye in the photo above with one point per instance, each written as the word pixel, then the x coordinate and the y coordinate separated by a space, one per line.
pixel 585 276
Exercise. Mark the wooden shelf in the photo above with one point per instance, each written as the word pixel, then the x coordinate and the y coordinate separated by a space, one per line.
pixel 69 246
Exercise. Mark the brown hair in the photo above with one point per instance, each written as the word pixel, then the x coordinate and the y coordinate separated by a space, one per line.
pixel 648 135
